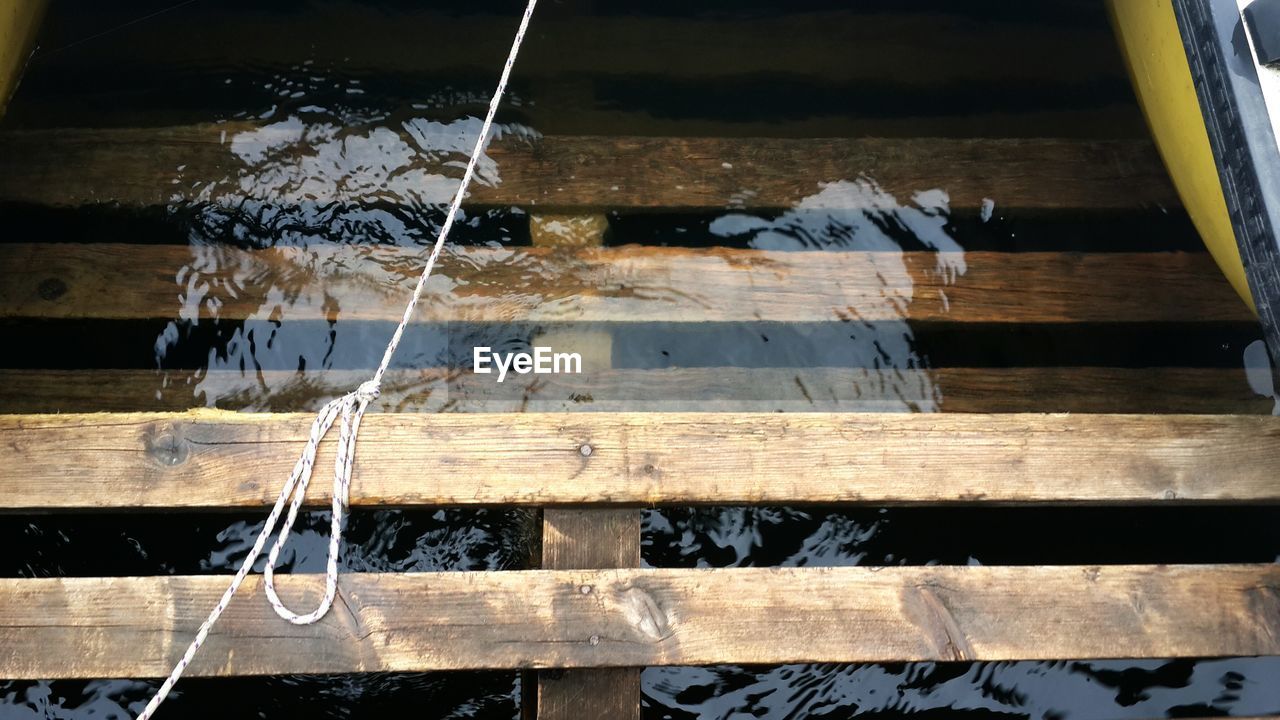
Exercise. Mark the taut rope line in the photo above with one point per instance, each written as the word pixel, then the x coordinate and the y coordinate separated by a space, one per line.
pixel 350 408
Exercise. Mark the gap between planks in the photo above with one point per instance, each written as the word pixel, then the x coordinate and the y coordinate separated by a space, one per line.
pixel 626 284
pixel 720 389
pixel 74 627
pixel 221 459
pixel 139 167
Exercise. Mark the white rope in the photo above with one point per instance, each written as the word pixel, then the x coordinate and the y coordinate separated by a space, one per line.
pixel 350 408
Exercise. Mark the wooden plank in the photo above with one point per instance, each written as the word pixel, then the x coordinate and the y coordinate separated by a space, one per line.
pixel 140 167
pixel 719 389
pixel 78 627
pixel 585 539
pixel 590 539
pixel 627 284
pixel 221 459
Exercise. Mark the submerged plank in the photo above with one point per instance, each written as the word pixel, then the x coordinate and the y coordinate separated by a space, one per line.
pixel 222 459
pixel 719 389
pixel 138 627
pixel 625 284
pixel 844 46
pixel 241 165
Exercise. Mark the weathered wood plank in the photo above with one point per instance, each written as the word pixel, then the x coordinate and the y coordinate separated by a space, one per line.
pixel 220 459
pixel 76 627
pixel 718 389
pixel 140 167
pixel 590 539
pixel 626 284
pixel 586 539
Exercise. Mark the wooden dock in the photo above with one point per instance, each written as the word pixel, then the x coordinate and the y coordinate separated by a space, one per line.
pixel 590 451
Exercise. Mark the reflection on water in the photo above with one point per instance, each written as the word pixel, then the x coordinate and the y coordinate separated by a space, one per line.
pixel 317 180
pixel 1094 690
pixel 310 183
pixel 859 216
pixel 450 696
pixel 261 301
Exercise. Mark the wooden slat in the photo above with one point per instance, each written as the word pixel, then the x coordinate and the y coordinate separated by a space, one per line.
pixel 627 284
pixel 586 539
pixel 216 459
pixel 140 167
pixel 590 539
pixel 719 389
pixel 78 627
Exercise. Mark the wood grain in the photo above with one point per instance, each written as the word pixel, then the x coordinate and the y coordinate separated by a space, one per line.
pixel 586 539
pixel 76 627
pixel 626 284
pixel 220 459
pixel 140 167
pixel 718 389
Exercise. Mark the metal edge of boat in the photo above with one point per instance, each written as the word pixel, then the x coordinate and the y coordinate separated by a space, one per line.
pixel 1206 97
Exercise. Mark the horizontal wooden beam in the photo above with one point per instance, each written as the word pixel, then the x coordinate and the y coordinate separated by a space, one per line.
pixel 140 167
pixel 719 389
pixel 223 459
pixel 138 627
pixel 625 284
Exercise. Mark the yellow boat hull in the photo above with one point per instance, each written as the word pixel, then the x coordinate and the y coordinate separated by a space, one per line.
pixel 1152 45
pixel 19 20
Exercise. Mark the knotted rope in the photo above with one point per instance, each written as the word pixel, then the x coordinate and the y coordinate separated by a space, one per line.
pixel 350 408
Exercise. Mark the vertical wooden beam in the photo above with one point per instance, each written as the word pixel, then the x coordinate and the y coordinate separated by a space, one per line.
pixel 584 539
pixel 574 539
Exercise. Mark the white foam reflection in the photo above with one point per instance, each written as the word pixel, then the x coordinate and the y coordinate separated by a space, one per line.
pixel 858 215
pixel 308 185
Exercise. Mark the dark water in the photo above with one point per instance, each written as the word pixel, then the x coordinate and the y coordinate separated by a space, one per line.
pixel 344 125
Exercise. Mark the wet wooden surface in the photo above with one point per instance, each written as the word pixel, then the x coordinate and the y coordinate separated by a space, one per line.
pixel 192 164
pixel 632 283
